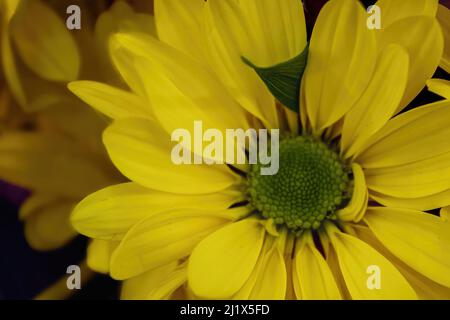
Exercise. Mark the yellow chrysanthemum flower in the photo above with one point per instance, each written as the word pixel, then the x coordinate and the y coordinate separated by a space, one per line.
pixel 50 142
pixel 354 176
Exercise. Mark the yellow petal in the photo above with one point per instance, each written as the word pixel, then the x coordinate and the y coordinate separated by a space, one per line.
pixel 33 203
pixel 138 287
pixel 445 214
pixel 99 254
pixel 415 180
pixel 434 201
pixel 160 239
pixel 74 119
pixel 379 101
pixel 422 37
pixel 187 33
pixel 8 8
pixel 167 74
pixel 168 101
pixel 167 286
pixel 268 279
pixel 50 164
pixel 424 287
pixel 444 229
pixel 30 91
pixel 109 213
pixel 289 263
pixel 119 17
pixel 124 62
pixel 48 228
pixel 119 14
pixel 9 66
pixel 315 279
pixel 47 47
pixel 342 56
pixel 105 23
pixel 413 136
pixel 325 242
pixel 227 43
pixel 394 10
pixel 413 237
pixel 355 256
pixel 113 102
pixel 440 87
pixel 443 16
pixel 293 121
pixel 333 264
pixel 398 122
pixel 358 204
pixel 275 39
pixel 304 120
pixel 141 150
pixel 140 22
pixel 221 264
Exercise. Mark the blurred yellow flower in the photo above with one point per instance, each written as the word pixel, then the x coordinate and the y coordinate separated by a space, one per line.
pixel 50 142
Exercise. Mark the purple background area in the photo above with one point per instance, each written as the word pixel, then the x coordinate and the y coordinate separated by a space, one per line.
pixel 25 272
pixel 13 194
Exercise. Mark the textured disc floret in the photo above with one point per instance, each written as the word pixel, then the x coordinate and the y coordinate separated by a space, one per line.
pixel 311 183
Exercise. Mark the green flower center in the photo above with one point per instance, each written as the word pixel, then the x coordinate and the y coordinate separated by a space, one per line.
pixel 311 184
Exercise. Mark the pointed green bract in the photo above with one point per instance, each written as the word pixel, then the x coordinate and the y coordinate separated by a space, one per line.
pixel 284 79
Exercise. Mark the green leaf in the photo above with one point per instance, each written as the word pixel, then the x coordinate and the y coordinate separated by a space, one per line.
pixel 284 79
